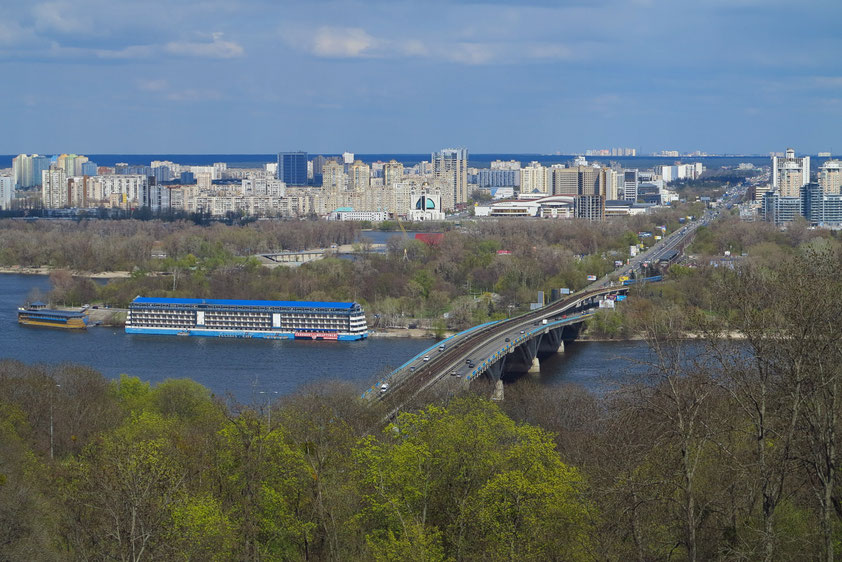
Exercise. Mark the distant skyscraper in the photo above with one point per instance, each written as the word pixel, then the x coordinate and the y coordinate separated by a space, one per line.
pixel 292 168
pixel 451 166
pixel 790 174
pixel 7 192
pixel 27 170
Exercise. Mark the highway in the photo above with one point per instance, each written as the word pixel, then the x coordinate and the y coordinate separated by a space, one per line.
pixel 656 252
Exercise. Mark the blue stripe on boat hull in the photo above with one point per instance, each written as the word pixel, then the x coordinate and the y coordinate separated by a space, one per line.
pixel 232 333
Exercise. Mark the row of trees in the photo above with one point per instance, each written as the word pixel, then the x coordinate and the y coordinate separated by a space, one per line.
pixel 93 246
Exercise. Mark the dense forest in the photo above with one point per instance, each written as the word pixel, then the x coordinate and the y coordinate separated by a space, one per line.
pixel 727 448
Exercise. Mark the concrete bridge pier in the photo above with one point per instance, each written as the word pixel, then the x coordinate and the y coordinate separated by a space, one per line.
pixel 522 358
pixel 551 342
pixel 535 368
pixel 497 395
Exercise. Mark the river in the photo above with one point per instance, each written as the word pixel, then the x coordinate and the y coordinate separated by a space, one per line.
pixel 245 367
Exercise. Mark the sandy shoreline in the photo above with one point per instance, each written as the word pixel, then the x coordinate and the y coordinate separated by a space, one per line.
pixel 47 270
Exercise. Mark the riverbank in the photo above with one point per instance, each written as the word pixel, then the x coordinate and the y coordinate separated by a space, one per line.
pixel 21 270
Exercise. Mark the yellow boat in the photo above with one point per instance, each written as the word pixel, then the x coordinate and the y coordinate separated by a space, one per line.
pixel 37 314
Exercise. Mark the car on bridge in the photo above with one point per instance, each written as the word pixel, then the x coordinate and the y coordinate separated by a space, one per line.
pixel 426 358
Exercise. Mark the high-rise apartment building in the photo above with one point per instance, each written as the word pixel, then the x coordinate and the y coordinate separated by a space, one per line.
pixel 790 173
pixel 72 164
pixel 334 179
pixel 498 177
pixel 122 190
pixel 392 172
pixel 580 180
pixel 54 188
pixel 630 185
pixel 780 210
pixel 292 168
pixel 830 177
pixel 359 176
pixel 451 165
pixel 535 177
pixel 613 184
pixel 89 168
pixel 7 192
pixel 26 170
pixel 564 180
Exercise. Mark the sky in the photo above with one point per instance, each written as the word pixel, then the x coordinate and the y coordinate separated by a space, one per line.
pixel 403 76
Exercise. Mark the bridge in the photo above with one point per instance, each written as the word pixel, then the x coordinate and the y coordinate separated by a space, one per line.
pixel 515 345
pixel 491 350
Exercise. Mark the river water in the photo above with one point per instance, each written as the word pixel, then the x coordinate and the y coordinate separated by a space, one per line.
pixel 246 367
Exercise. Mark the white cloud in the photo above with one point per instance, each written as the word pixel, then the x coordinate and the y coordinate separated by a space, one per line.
pixel 61 17
pixel 355 42
pixel 130 52
pixel 342 42
pixel 216 49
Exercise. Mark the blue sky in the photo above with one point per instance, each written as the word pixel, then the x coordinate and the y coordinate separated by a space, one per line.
pixel 259 76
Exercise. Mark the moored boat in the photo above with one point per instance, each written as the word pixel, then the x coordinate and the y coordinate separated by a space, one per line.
pixel 37 314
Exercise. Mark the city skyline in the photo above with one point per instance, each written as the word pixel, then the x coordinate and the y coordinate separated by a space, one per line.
pixel 377 77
